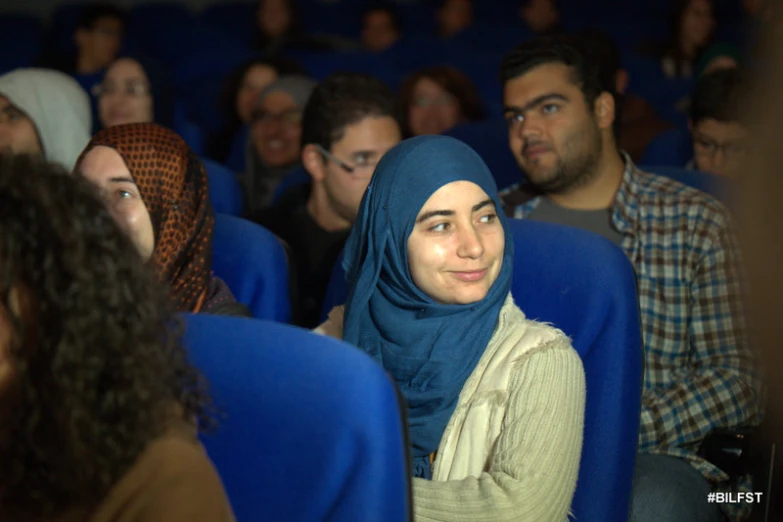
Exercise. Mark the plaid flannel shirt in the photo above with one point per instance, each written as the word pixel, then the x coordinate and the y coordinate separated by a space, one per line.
pixel 698 368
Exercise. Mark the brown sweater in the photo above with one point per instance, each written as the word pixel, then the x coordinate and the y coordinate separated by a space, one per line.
pixel 173 480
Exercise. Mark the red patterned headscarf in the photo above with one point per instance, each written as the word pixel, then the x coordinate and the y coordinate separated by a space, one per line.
pixel 173 185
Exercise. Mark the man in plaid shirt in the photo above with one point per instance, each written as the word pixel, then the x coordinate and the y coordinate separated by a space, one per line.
pixel 698 370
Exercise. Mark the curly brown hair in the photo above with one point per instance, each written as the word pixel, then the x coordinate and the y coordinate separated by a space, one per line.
pixel 98 367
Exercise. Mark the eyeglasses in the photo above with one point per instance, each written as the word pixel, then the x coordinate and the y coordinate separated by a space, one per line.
pixel 134 89
pixel 364 162
pixel 290 117
pixel 706 147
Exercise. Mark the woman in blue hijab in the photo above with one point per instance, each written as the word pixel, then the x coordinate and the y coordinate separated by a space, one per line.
pixel 495 401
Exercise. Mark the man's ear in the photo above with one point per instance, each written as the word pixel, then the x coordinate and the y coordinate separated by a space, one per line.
pixel 313 162
pixel 690 125
pixel 604 110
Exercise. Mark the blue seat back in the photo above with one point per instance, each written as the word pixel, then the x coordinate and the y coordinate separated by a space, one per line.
pixel 672 148
pixel 310 429
pixel 490 139
pixel 253 263
pixel 225 191
pixel 715 186
pixel 586 286
pixel 296 178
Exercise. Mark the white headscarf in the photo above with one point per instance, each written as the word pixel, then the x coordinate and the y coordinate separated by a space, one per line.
pixel 58 107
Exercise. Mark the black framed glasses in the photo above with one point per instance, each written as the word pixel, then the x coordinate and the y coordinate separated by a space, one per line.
pixel 707 147
pixel 365 162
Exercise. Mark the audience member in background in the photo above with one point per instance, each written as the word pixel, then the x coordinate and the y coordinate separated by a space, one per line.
pixel 720 137
pixel 636 122
pixel 718 56
pixel 453 17
pixel 99 407
pixel 430 264
pixel 275 141
pixel 240 94
pixel 135 90
pixel 349 124
pixel 540 16
pixel 98 39
pixel 279 28
pixel 694 23
pixel 156 189
pixel 278 22
pixel 436 99
pixel 43 112
pixel 699 374
pixel 381 28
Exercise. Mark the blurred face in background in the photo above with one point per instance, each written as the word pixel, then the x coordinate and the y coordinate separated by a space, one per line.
pixel 379 32
pixel 455 16
pixel 433 109
pixel 276 130
pixel 540 15
pixel 274 17
pixel 99 45
pixel 125 95
pixel 696 24
pixel 256 79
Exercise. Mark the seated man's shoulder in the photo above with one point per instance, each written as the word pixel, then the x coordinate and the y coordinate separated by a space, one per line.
pixel 516 195
pixel 667 198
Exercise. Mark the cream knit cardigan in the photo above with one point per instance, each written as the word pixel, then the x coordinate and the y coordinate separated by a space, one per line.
pixel 512 446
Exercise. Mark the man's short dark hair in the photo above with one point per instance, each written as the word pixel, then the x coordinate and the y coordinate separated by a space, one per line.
pixel 388 9
pixel 604 55
pixel 556 49
pixel 97 11
pixel 718 96
pixel 341 100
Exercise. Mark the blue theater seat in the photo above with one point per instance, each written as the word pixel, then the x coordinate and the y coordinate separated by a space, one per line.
pixel 225 191
pixel 310 428
pixel 253 263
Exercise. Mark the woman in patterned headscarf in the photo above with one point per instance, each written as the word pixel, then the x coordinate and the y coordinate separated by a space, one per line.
pixel 156 188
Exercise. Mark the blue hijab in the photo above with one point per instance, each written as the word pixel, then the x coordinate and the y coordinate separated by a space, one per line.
pixel 430 349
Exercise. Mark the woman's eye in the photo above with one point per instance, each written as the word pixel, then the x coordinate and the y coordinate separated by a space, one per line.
pixel 489 218
pixel 440 227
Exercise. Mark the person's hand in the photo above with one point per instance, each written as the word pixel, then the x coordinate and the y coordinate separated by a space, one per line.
pixel 333 326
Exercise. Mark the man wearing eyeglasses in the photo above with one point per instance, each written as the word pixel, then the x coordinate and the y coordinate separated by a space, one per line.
pixel 719 137
pixel 348 124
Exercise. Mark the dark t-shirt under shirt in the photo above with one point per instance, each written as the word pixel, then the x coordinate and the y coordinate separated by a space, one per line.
pixel 313 251
pixel 597 221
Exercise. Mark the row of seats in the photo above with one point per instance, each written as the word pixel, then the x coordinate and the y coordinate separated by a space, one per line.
pixel 341 421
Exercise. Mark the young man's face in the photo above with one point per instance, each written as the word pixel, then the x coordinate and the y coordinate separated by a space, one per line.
pixel 719 147
pixel 361 147
pixel 553 132
pixel 17 131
